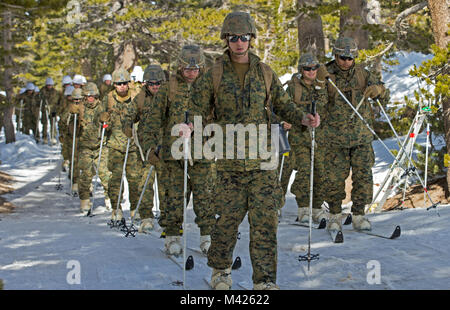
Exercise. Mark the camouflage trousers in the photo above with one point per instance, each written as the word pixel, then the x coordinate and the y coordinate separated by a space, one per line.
pixel 239 194
pixel 29 123
pixel 201 184
pixel 339 161
pixel 87 163
pixel 163 183
pixel 133 174
pixel 301 161
pixel 146 206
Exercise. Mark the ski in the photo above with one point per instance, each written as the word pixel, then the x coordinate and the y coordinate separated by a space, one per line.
pixel 336 236
pixel 321 225
pixel 178 260
pixel 394 235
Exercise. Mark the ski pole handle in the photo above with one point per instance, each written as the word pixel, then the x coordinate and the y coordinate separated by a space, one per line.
pixel 186 117
pixel 313 107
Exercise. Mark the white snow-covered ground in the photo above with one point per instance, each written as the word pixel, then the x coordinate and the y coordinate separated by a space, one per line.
pixel 47 244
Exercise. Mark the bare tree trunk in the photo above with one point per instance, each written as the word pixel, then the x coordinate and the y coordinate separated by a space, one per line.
pixel 352 22
pixel 440 18
pixel 126 57
pixel 310 30
pixel 10 135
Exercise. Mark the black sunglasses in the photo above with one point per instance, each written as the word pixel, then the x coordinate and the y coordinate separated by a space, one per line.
pixel 311 68
pixel 121 83
pixel 345 58
pixel 153 83
pixel 243 37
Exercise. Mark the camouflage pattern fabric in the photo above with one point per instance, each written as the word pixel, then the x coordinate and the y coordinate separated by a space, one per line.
pixel 117 143
pixel 50 101
pixel 29 112
pixel 241 186
pixel 239 194
pixel 89 147
pixel 133 173
pixel 132 115
pixel 300 141
pixel 155 129
pixel 200 182
pixel 242 106
pixel 360 160
pixel 104 90
pixel 349 140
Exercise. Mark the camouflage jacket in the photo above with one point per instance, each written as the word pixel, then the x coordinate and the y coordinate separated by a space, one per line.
pixel 29 104
pixel 342 129
pixel 246 106
pixel 90 126
pixel 165 112
pixel 104 89
pixel 306 93
pixel 50 98
pixel 117 108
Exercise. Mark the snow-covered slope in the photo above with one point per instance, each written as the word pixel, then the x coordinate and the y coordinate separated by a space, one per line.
pixel 46 243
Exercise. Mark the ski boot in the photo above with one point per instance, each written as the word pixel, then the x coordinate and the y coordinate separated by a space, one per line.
pixel 334 222
pixel 205 243
pixel 265 286
pixel 221 279
pixel 359 222
pixel 146 225
pixel 172 245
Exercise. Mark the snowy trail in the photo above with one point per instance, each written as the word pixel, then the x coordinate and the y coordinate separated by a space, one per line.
pixel 47 232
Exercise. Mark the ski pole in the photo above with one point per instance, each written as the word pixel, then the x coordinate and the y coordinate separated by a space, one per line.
pixel 131 230
pixel 49 127
pixel 186 154
pixel 73 153
pixel 19 123
pixel 104 126
pixel 37 136
pixel 309 257
pixel 426 162
pixel 123 174
pixel 280 214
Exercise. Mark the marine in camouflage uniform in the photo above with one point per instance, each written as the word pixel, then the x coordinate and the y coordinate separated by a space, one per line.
pixel 169 107
pixel 242 186
pixel 89 146
pixel 75 107
pixel 30 110
pixel 105 87
pixel 304 88
pixel 349 140
pixel 116 104
pixel 50 102
pixel 63 110
pixel 153 78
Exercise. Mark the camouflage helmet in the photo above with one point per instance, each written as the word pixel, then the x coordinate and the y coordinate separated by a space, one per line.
pixel 191 56
pixel 90 89
pixel 346 47
pixel 77 93
pixel 154 73
pixel 238 23
pixel 307 60
pixel 120 75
